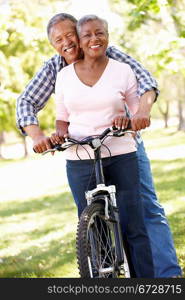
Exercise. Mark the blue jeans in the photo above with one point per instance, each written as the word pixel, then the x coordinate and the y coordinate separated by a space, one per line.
pixel 121 171
pixel 164 255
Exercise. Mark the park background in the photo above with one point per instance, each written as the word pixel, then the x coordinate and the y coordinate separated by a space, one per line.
pixel 37 214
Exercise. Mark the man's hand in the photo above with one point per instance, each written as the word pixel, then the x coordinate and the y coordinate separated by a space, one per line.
pixel 140 121
pixel 41 144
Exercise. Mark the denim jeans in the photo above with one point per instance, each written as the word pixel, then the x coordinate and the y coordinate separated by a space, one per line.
pixel 164 255
pixel 121 171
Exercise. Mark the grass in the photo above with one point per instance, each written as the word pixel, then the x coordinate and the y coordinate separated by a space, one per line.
pixel 38 233
pixel 38 237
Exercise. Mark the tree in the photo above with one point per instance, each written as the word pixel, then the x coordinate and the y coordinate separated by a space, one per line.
pixel 23 49
pixel 159 24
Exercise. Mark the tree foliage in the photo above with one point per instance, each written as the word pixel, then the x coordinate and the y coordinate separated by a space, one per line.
pixel 23 49
pixel 156 35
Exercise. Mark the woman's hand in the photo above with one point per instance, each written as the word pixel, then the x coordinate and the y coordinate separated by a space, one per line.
pixel 58 137
pixel 121 122
pixel 61 132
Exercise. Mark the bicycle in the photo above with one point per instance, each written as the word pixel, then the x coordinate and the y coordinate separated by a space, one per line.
pixel 101 251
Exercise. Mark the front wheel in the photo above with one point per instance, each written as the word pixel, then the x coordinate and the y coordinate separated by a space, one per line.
pixel 96 249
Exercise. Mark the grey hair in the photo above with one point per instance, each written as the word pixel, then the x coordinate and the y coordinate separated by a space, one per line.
pixel 58 18
pixel 88 18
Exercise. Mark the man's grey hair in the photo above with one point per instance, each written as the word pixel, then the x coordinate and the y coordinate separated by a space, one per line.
pixel 58 18
pixel 88 18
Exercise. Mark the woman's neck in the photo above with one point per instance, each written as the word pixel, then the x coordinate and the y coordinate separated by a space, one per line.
pixel 89 70
pixel 92 63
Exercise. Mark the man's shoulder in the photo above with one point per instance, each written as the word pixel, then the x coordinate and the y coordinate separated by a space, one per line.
pixel 115 51
pixel 119 65
pixel 56 62
pixel 117 54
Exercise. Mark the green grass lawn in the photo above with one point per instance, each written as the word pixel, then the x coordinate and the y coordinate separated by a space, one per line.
pixel 38 233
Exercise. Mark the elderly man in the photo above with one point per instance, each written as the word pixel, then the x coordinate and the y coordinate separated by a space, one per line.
pixel 63 37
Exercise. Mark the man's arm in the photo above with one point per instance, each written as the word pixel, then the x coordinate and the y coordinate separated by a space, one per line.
pixel 144 79
pixel 141 119
pixel 33 99
pixel 41 142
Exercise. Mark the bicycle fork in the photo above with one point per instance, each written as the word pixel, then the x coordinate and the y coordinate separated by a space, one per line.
pixel 107 194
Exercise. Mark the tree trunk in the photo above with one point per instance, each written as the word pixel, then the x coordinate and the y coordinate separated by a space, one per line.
pixel 25 147
pixel 165 113
pixel 2 139
pixel 166 121
pixel 181 115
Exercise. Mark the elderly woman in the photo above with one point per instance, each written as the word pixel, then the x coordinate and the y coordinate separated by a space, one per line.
pixel 91 95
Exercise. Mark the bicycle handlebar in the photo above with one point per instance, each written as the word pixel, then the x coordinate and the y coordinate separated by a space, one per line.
pixel 89 140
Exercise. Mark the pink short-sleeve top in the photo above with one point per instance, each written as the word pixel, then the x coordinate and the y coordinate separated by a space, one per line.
pixel 90 110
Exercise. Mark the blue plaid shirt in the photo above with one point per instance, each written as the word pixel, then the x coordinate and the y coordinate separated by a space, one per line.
pixel 41 87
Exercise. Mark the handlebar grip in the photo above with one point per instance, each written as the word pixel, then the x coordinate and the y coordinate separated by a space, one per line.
pixel 57 147
pixel 105 133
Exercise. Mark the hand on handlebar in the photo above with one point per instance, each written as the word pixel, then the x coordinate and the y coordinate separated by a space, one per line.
pixel 121 122
pixel 58 138
pixel 68 142
pixel 41 144
pixel 140 121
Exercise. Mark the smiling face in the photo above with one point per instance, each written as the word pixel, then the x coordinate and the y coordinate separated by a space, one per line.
pixel 93 38
pixel 64 39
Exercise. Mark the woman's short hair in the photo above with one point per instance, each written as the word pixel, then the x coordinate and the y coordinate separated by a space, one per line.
pixel 58 18
pixel 86 19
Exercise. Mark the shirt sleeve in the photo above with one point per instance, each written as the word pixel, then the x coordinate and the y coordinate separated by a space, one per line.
pixel 145 81
pixel 61 110
pixel 35 96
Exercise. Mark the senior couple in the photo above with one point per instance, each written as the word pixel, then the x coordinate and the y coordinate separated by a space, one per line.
pixel 96 88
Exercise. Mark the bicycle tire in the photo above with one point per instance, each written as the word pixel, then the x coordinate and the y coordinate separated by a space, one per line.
pixel 96 256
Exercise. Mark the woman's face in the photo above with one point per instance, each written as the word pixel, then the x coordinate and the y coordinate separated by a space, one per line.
pixel 93 38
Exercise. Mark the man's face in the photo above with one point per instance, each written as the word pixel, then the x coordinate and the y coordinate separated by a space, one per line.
pixel 64 39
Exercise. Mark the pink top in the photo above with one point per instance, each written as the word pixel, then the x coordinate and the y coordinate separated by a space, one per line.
pixel 90 110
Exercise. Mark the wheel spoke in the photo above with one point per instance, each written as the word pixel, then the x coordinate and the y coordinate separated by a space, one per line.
pixel 101 249
pixel 96 249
